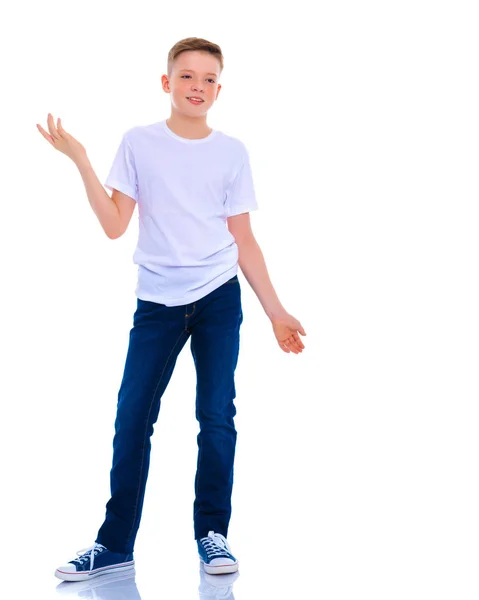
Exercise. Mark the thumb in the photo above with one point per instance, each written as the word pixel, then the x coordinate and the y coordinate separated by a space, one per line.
pixel 301 330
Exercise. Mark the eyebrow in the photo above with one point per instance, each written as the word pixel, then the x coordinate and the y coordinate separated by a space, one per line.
pixel 214 74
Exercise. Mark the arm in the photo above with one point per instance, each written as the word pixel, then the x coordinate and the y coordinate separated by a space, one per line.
pixel 253 266
pixel 113 213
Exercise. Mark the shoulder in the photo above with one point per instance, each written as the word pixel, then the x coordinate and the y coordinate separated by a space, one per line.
pixel 138 132
pixel 232 146
pixel 232 141
pixel 139 138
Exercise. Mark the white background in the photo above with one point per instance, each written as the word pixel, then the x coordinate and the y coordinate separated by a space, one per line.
pixel 356 470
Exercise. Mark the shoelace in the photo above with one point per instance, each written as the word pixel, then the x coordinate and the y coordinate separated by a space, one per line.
pixel 93 551
pixel 215 544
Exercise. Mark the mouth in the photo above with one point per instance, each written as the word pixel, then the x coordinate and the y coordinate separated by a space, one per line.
pixel 195 100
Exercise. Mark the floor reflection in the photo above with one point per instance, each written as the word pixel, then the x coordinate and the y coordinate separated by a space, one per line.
pixel 122 586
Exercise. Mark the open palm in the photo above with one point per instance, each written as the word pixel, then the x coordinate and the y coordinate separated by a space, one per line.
pixel 286 330
pixel 61 140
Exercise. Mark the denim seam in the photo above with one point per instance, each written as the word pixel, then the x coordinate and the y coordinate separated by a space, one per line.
pixel 189 315
pixel 199 470
pixel 145 435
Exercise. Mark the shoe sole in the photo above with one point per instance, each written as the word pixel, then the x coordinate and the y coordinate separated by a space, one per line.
pixel 68 587
pixel 82 575
pixel 219 569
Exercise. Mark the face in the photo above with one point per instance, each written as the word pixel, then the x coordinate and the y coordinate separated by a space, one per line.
pixel 194 74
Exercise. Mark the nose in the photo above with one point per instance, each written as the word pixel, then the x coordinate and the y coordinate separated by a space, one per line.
pixel 197 87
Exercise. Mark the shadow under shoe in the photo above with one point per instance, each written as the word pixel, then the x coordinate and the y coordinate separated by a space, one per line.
pixel 111 586
pixel 216 587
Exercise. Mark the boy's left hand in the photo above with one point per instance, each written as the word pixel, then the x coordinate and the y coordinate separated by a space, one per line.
pixel 286 329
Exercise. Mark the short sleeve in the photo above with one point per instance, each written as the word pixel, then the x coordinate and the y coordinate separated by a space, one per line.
pixel 240 195
pixel 123 175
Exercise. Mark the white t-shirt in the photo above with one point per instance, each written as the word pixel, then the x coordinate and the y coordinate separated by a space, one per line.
pixel 185 190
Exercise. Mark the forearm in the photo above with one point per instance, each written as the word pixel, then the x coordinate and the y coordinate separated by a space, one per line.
pixel 103 206
pixel 253 266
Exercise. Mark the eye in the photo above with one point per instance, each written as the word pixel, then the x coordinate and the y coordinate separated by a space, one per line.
pixel 212 80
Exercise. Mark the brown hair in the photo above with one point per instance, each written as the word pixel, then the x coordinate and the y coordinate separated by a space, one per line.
pixel 193 43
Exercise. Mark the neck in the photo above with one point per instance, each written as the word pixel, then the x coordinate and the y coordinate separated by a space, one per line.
pixel 188 127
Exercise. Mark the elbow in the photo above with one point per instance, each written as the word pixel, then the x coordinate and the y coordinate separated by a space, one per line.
pixel 114 235
pixel 245 240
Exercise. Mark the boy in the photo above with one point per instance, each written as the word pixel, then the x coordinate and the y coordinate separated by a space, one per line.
pixel 194 190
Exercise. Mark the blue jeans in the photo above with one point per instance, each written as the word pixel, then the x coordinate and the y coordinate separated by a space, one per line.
pixel 159 333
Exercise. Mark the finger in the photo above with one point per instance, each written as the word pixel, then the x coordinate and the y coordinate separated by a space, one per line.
pixel 284 348
pixel 298 348
pixel 52 128
pixel 45 134
pixel 298 341
pixel 292 345
pixel 301 330
pixel 61 131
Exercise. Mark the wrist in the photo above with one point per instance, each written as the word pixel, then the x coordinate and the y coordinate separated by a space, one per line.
pixel 82 162
pixel 276 312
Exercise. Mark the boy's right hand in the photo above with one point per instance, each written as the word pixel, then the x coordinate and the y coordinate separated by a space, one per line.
pixel 63 141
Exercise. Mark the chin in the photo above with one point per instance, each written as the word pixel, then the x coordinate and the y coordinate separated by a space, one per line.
pixel 197 113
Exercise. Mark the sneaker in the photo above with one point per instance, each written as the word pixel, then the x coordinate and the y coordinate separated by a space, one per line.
pixel 94 561
pixel 215 554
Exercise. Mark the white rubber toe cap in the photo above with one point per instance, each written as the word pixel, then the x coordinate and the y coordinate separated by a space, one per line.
pixel 218 562
pixel 68 568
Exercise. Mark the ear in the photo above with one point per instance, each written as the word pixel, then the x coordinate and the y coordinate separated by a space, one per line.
pixel 218 89
pixel 165 84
